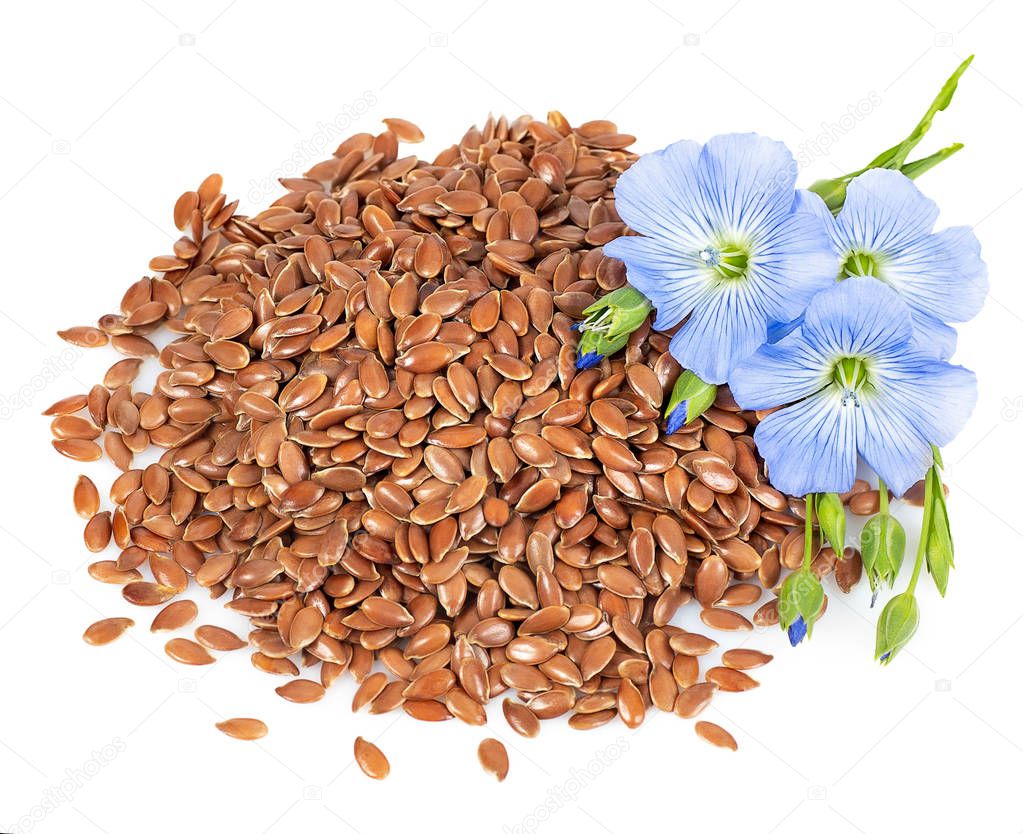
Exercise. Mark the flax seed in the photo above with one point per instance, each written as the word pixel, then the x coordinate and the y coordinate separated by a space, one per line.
pixel 369 758
pixel 494 758
pixel 106 631
pixel 245 729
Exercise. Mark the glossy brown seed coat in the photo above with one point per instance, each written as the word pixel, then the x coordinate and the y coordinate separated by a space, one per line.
pixel 245 729
pixel 494 758
pixel 370 760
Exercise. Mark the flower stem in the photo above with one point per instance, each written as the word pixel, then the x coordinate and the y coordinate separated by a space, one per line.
pixel 921 550
pixel 882 491
pixel 808 533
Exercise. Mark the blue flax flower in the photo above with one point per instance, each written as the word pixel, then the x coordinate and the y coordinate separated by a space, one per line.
pixel 851 381
pixel 723 242
pixel 885 231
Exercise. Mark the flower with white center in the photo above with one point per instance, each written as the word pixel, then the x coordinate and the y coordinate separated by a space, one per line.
pixel 723 245
pixel 885 231
pixel 851 381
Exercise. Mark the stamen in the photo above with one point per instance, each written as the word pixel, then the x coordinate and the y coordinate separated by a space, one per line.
pixel 731 262
pixel 850 374
pixel 859 265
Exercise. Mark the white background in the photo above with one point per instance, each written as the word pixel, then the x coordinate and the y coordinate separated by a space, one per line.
pixel 108 111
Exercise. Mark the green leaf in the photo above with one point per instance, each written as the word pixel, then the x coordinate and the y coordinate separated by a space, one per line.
pixel 922 166
pixel 832 191
pixel 941 101
pixel 690 388
pixel 831 517
pixel 896 626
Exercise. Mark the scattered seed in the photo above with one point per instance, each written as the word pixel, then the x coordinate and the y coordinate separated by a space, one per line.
pixel 713 734
pixel 246 729
pixel 106 631
pixel 187 652
pixel 86 497
pixel 369 758
pixel 494 758
pixel 301 691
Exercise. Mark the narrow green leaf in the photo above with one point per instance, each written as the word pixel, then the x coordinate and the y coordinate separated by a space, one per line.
pixel 921 166
pixel 832 191
pixel 941 101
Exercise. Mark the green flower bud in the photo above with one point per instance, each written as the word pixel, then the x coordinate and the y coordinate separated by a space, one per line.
pixel 802 595
pixel 831 517
pixel 882 546
pixel 690 397
pixel 896 626
pixel 940 555
pixel 609 321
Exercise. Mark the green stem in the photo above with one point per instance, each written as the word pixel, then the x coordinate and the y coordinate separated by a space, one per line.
pixel 921 550
pixel 882 491
pixel 808 533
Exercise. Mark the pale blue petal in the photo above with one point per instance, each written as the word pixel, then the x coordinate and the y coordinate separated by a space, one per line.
pixel 917 402
pixel 659 196
pixel 810 203
pixel 792 261
pixel 653 267
pixel 941 275
pixel 779 374
pixel 779 330
pixel 892 447
pixel 723 330
pixel 966 264
pixel 810 446
pixel 747 181
pixel 883 211
pixel 858 316
pixel 933 337
pixel 937 397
